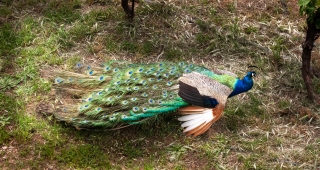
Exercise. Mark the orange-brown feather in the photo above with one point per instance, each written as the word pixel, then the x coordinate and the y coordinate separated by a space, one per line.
pixel 217 112
pixel 203 129
pixel 195 129
pixel 187 109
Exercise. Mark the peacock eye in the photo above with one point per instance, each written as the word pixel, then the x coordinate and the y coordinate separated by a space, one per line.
pixel 253 74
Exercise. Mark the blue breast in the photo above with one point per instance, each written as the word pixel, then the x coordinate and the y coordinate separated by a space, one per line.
pixel 242 86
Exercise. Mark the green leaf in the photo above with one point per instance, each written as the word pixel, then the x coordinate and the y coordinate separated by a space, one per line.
pixel 303 2
pixel 310 10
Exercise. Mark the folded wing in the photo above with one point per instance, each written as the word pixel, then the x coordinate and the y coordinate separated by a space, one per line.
pixel 208 97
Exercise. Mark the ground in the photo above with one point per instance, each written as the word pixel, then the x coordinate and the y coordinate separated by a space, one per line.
pixel 273 126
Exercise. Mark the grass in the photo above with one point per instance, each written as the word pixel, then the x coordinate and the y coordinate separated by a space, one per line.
pixel 266 128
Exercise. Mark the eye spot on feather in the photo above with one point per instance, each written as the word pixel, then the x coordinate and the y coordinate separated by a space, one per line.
pixel 159 79
pixel 115 70
pixel 160 64
pixel 70 79
pixel 109 99
pixel 130 72
pixel 112 118
pixel 134 99
pixel 65 109
pixel 187 71
pixel 144 109
pixel 90 72
pixel 98 109
pixel 58 80
pixel 118 96
pixel 169 83
pixel 84 121
pixel 128 88
pixel 89 99
pixel 140 70
pixel 117 83
pixel 159 102
pixel 144 95
pixel 157 74
pixel 172 72
pixel 151 69
pixel 99 93
pixel 151 101
pixel 190 65
pixel 101 78
pixel 105 117
pixel 135 79
pixel 166 75
pixel 107 68
pixel 79 65
pixel 151 79
pixel 135 109
pixel 155 87
pixel 125 102
pixel 181 63
pixel 160 69
pixel 88 67
pixel 136 88
pixel 171 96
pixel 164 92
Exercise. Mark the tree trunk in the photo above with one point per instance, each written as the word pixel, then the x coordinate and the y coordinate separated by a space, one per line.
pixel 307 46
pixel 126 8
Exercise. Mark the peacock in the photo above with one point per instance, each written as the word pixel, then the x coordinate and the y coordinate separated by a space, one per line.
pixel 120 93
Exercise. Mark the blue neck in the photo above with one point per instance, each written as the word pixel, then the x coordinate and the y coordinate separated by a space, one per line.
pixel 242 85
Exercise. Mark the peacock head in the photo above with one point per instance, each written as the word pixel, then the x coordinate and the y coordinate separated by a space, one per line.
pixel 251 74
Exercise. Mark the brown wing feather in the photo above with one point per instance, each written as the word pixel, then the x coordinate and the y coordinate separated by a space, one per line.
pixel 190 109
pixel 206 86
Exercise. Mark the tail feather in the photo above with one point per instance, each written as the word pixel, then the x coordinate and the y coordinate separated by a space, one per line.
pixel 198 119
pixel 191 109
pixel 118 93
pixel 202 130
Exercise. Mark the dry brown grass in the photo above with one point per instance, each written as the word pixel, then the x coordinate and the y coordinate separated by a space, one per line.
pixel 273 126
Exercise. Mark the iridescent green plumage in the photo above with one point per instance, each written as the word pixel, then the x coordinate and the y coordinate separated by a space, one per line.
pixel 121 93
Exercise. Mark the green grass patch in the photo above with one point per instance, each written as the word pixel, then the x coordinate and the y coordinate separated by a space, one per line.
pixel 63 11
pixel 8 110
pixel 156 9
pixel 84 156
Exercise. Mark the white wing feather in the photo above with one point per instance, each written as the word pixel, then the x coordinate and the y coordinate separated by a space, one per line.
pixel 195 120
